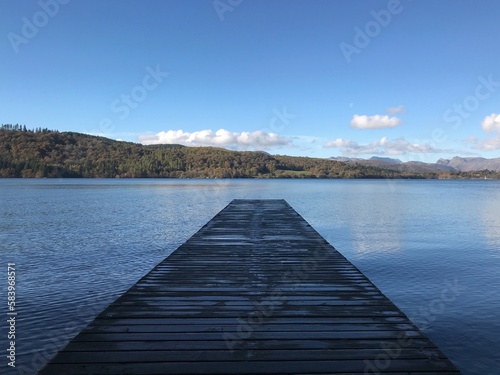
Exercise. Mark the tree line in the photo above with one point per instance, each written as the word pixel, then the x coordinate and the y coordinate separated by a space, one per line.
pixel 46 153
pixel 23 128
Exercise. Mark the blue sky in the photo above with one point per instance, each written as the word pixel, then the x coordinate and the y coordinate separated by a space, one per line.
pixel 414 80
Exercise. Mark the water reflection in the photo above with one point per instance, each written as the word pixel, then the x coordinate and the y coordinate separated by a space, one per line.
pixel 373 214
pixel 490 210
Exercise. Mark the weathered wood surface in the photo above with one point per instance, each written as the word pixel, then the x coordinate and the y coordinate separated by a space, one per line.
pixel 256 291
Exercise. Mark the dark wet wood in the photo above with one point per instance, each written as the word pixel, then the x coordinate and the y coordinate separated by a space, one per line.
pixel 256 291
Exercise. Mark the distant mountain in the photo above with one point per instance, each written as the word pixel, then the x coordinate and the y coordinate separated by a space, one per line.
pixel 456 164
pixel 425 167
pixel 373 158
pixel 471 164
pixel 344 159
pixel 386 160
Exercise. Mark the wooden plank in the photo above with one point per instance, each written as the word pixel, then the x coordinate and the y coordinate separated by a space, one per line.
pixel 217 321
pixel 256 335
pixel 255 291
pixel 219 345
pixel 306 327
pixel 218 355
pixel 248 366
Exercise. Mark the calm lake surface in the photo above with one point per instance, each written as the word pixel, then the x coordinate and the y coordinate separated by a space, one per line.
pixel 433 247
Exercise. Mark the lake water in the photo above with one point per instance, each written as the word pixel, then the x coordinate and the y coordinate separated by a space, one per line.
pixel 433 247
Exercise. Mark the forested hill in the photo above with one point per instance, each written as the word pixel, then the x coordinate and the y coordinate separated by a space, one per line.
pixel 45 153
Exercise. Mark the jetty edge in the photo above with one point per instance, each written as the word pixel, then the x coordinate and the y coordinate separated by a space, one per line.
pixel 255 291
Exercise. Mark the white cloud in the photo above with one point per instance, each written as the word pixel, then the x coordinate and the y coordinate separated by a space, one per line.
pixel 487 144
pixel 383 146
pixel 374 122
pixel 396 110
pixel 470 139
pixel 305 139
pixel 221 138
pixel 491 123
pixel 340 143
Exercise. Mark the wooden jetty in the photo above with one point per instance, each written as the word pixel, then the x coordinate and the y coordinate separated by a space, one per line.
pixel 256 291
